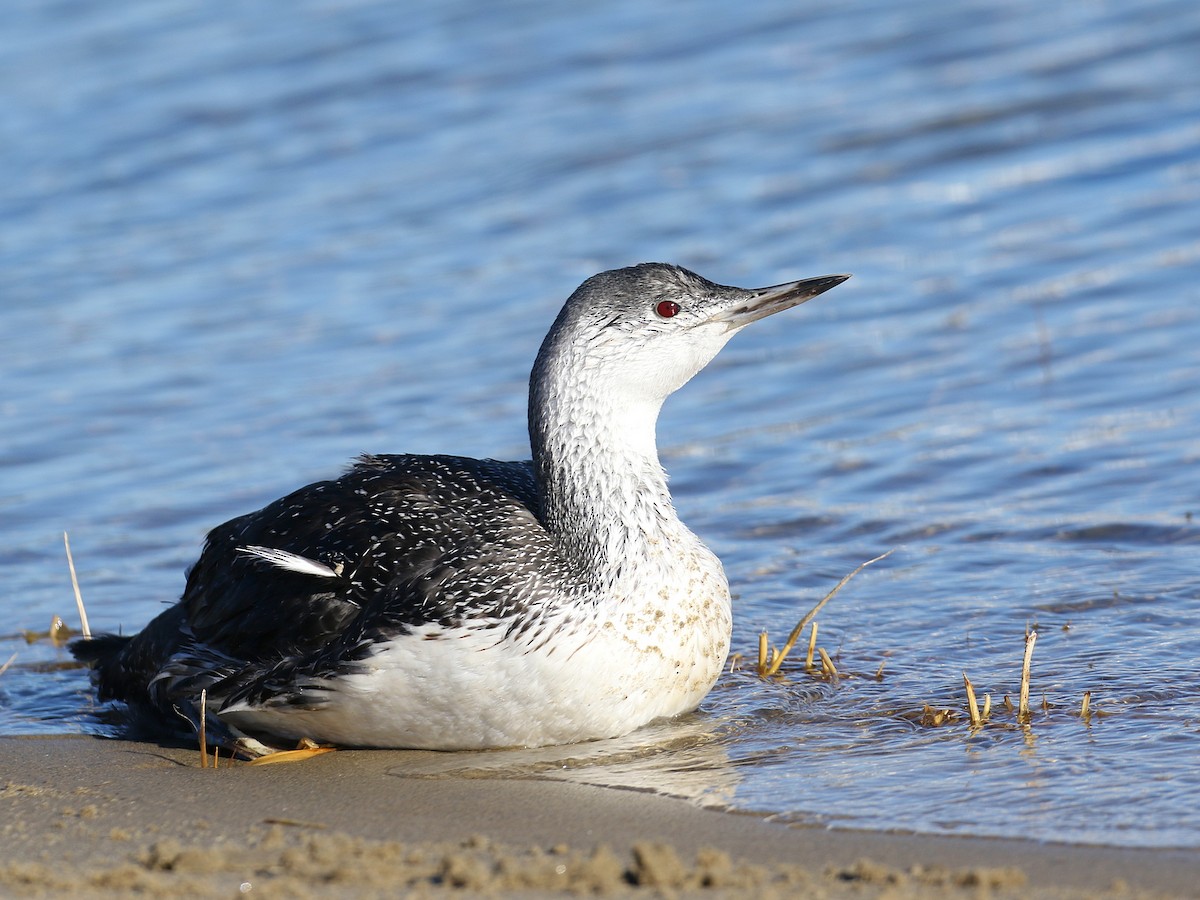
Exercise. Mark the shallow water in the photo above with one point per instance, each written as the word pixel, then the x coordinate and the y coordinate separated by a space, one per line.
pixel 237 250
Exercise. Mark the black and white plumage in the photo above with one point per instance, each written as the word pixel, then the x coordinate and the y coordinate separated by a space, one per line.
pixel 443 602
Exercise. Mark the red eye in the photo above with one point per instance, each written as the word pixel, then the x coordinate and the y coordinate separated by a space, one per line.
pixel 667 308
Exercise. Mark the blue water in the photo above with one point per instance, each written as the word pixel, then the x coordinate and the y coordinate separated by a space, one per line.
pixel 240 244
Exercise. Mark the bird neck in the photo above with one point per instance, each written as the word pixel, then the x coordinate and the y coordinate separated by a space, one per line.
pixel 604 493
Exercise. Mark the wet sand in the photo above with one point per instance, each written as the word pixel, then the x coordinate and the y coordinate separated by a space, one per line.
pixel 96 817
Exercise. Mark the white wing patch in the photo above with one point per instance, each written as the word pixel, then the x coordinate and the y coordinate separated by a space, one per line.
pixel 293 562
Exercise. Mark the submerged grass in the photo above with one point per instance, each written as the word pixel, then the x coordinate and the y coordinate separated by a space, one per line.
pixel 818 664
pixel 770 659
pixel 972 706
pixel 1022 716
pixel 1023 702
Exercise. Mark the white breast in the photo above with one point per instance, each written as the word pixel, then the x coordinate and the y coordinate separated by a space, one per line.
pixel 585 672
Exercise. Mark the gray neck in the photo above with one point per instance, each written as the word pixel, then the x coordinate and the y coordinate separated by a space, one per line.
pixel 604 492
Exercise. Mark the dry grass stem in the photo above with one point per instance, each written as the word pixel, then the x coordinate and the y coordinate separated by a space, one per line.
pixel 879 671
pixel 1085 708
pixel 9 662
pixel 770 659
pixel 203 737
pixel 799 629
pixel 83 619
pixel 1023 702
pixel 972 705
pixel 987 707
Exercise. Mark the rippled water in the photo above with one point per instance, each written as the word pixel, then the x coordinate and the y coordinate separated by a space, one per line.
pixel 237 249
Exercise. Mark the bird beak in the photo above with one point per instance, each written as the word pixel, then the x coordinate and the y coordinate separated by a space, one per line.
pixel 758 304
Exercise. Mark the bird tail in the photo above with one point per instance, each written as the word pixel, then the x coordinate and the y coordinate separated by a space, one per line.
pixel 100 649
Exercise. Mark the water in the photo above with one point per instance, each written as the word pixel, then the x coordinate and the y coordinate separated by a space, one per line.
pixel 236 250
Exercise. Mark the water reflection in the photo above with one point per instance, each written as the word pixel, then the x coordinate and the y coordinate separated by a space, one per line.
pixel 683 758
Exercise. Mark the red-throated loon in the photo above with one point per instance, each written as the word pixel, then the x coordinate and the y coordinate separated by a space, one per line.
pixel 442 602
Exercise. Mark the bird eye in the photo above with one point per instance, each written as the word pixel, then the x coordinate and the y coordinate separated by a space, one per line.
pixel 667 308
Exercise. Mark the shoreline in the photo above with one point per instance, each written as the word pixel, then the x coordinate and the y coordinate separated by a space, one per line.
pixel 111 817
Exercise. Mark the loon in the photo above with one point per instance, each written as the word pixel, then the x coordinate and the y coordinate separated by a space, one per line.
pixel 441 602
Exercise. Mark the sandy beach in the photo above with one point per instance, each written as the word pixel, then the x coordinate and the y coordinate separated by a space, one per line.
pixel 97 817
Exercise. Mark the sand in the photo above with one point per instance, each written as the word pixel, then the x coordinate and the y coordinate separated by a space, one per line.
pixel 95 817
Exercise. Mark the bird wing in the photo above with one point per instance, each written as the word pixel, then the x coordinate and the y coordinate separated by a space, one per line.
pixel 391 537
